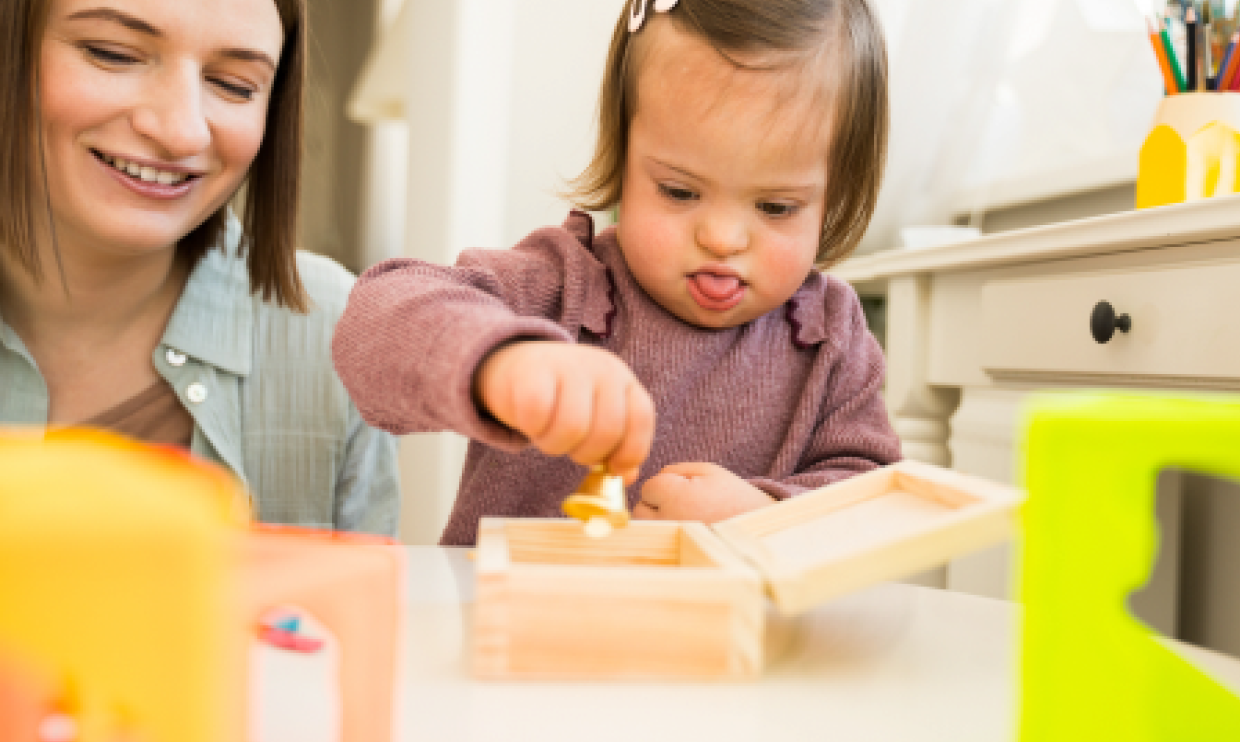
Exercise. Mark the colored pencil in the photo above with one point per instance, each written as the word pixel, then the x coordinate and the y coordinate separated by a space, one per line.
pixel 1208 53
pixel 1190 20
pixel 1169 81
pixel 1231 60
pixel 1207 46
pixel 1169 48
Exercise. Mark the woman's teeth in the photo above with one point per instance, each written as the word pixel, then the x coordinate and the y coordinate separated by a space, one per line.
pixel 148 174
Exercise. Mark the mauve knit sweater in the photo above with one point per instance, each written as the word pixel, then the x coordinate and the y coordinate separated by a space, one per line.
pixel 789 401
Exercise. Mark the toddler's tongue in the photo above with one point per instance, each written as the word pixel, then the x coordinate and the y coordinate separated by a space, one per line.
pixel 716 287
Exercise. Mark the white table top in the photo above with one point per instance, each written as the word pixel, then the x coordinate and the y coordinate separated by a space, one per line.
pixel 895 662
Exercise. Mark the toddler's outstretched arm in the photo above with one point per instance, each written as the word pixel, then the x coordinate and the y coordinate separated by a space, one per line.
pixel 414 339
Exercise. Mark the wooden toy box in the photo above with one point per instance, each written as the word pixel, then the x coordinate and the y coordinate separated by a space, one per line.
pixel 686 600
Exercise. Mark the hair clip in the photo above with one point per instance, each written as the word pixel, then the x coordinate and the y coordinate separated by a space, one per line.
pixel 637 14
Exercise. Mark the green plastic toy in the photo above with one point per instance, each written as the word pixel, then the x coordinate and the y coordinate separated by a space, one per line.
pixel 1089 670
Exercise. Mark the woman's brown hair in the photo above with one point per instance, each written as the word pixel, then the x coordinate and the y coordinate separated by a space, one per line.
pixel 273 184
pixel 796 31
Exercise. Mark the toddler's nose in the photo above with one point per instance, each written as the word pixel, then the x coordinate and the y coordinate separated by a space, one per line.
pixel 722 235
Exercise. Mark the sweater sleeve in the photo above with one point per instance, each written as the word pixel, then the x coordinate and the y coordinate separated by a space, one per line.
pixel 414 333
pixel 853 434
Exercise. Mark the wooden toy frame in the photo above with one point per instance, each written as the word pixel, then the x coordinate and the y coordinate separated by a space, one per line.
pixel 685 601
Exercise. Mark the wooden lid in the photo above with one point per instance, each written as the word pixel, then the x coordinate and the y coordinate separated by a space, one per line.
pixel 883 525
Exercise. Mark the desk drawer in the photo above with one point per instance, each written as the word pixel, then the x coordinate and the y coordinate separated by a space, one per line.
pixel 1185 327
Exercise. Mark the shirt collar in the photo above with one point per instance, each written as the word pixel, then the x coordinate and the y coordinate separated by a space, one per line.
pixel 214 319
pixel 598 313
pixel 9 339
pixel 807 312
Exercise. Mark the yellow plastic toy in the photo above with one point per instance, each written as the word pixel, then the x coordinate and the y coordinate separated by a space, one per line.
pixel 1089 670
pixel 1193 151
pixel 131 587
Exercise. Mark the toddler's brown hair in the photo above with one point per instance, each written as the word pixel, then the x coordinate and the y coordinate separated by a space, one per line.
pixel 792 34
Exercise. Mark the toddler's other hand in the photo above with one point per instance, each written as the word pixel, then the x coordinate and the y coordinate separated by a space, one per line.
pixel 571 400
pixel 699 492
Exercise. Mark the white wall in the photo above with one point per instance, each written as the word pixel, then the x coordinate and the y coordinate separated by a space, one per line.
pixel 560 53
pixel 999 102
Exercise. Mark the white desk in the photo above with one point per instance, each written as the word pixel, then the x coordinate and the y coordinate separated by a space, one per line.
pixel 974 327
pixel 895 663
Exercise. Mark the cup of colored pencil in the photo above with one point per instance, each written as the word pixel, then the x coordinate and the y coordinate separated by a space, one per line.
pixel 1193 150
pixel 1196 53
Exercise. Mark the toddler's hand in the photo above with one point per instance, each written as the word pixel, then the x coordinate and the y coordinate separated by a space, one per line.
pixel 571 400
pixel 698 492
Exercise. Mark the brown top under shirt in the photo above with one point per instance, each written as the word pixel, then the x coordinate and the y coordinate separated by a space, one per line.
pixel 153 416
pixel 789 401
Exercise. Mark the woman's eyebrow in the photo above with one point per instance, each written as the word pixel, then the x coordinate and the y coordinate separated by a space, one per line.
pixel 116 16
pixel 249 55
pixel 141 26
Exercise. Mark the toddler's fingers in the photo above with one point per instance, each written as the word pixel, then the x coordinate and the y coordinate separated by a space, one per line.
pixel 607 423
pixel 691 468
pixel 527 405
pixel 638 437
pixel 660 490
pixel 571 417
pixel 642 511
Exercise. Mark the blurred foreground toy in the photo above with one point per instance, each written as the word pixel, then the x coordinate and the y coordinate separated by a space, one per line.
pixel 1090 671
pixel 285 633
pixel 131 584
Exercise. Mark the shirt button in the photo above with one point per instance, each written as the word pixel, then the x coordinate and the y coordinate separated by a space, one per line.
pixel 174 358
pixel 196 392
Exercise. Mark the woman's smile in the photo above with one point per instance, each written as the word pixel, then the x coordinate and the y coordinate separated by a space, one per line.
pixel 153 180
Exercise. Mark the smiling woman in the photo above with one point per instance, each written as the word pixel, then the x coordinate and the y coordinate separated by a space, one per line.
pixel 130 296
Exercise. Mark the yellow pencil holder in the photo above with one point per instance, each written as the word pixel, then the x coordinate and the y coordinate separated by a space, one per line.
pixel 1193 150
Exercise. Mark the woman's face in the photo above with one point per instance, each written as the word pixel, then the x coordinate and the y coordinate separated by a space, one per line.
pixel 152 111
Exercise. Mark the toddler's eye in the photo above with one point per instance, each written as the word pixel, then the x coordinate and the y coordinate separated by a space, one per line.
pixel 773 208
pixel 676 193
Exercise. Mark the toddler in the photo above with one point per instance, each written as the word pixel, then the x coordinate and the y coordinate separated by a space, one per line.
pixel 694 348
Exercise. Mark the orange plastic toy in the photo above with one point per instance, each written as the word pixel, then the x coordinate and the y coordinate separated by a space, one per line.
pixel 349 583
pixel 131 585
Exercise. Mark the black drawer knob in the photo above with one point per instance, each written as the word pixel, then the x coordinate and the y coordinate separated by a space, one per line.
pixel 1104 322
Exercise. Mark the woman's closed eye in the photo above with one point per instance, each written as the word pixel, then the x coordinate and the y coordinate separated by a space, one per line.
pixel 235 89
pixel 108 56
pixel 677 193
pixel 113 58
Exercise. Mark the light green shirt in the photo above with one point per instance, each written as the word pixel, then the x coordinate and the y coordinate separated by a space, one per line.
pixel 259 383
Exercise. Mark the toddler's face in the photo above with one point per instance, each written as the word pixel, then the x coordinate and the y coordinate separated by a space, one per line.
pixel 724 184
